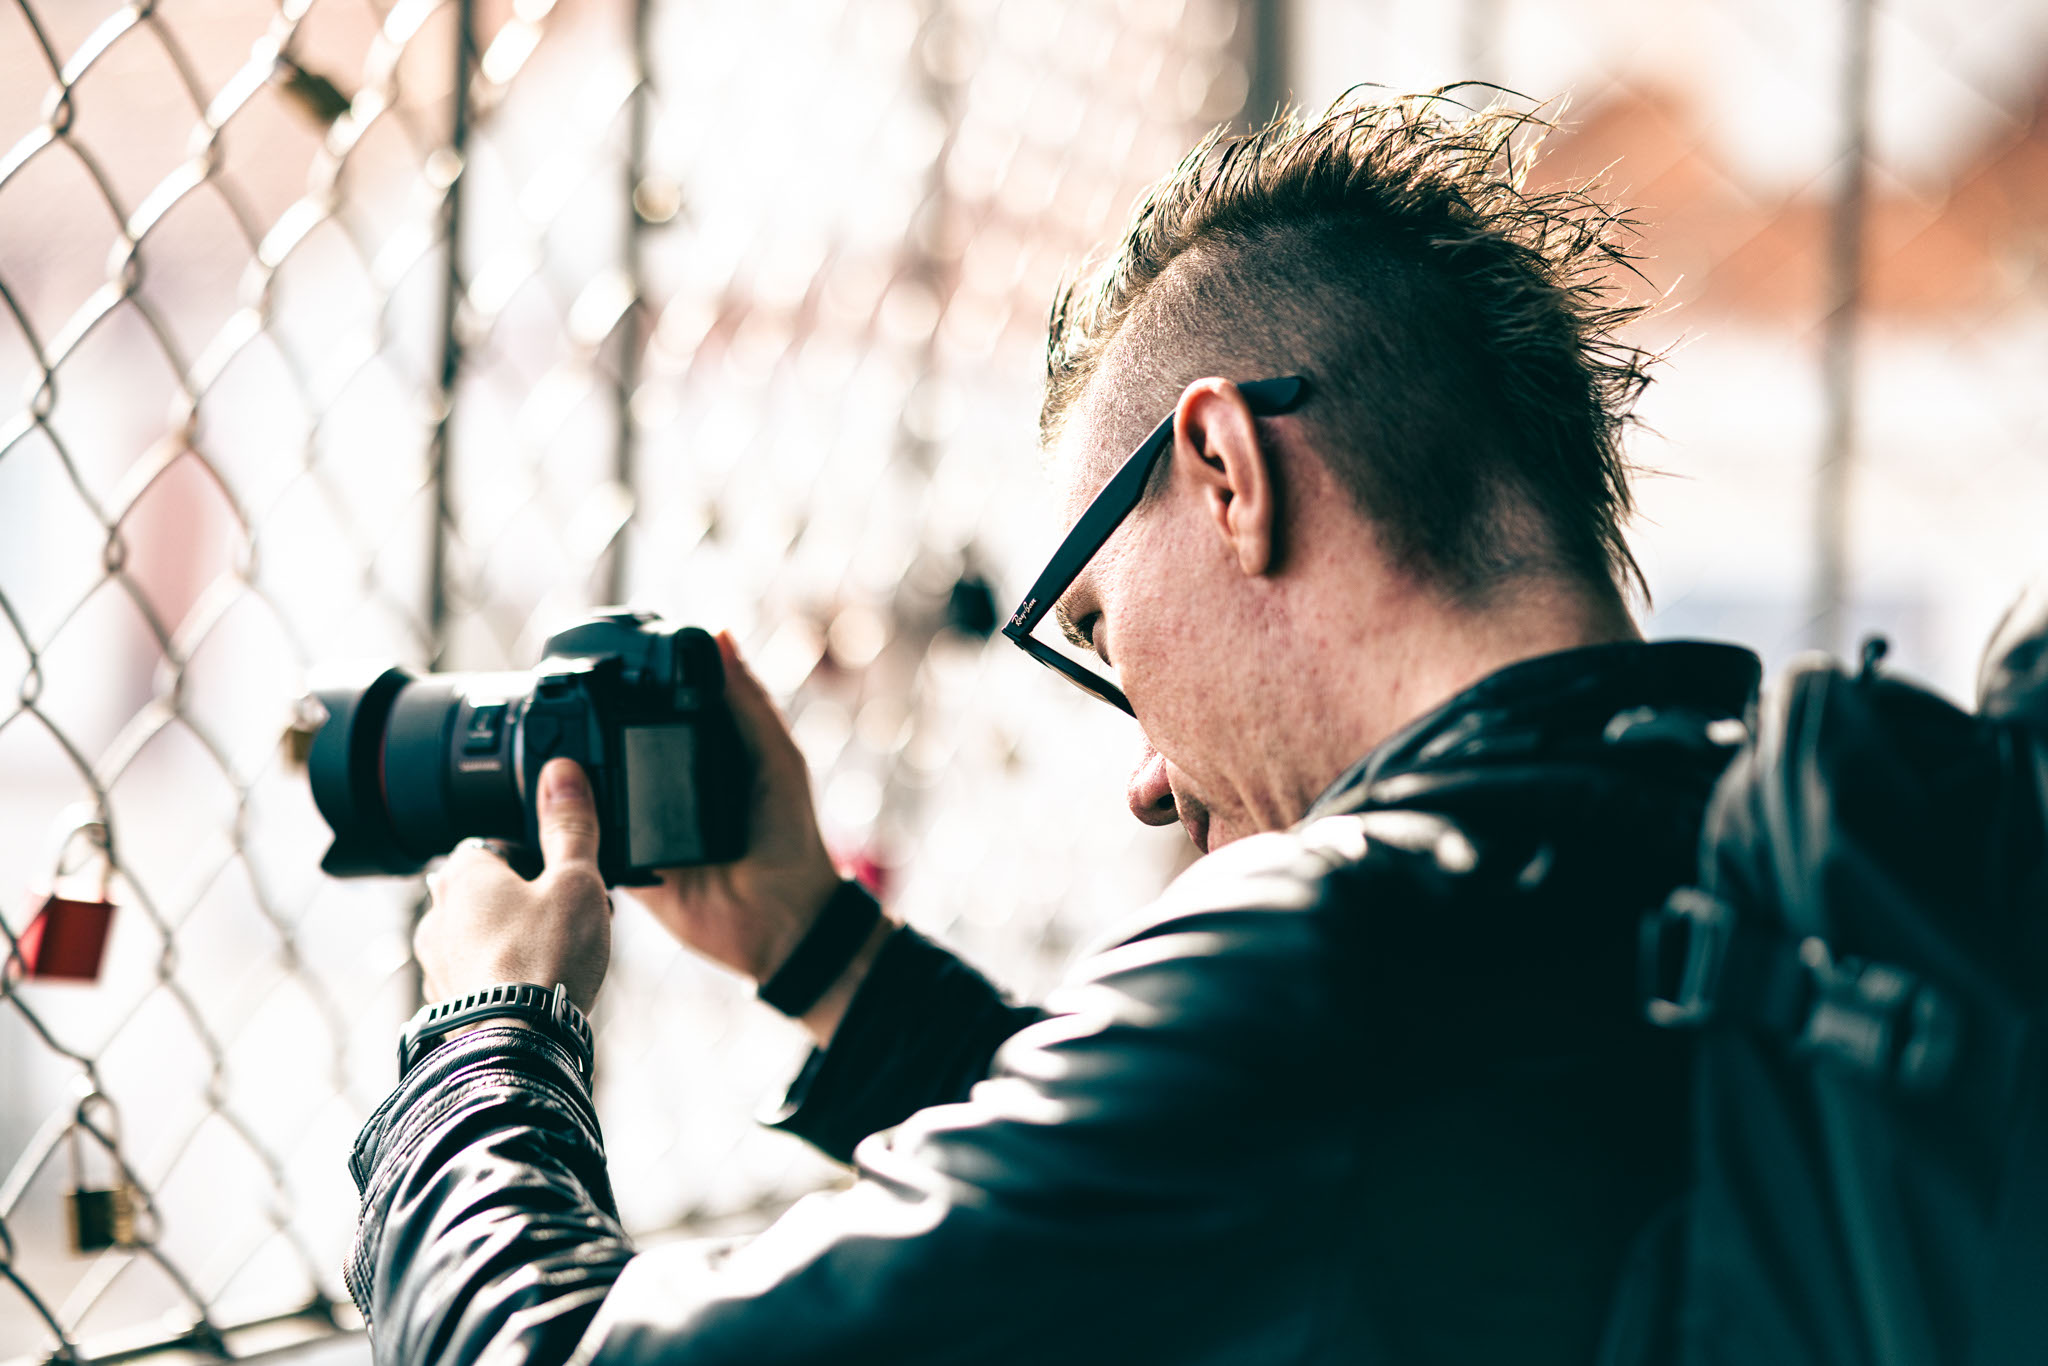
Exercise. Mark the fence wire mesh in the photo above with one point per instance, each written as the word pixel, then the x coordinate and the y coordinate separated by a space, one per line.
pixel 411 330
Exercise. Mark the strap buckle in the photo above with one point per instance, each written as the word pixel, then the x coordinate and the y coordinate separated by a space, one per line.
pixel 1682 951
pixel 1874 1019
pixel 1878 1020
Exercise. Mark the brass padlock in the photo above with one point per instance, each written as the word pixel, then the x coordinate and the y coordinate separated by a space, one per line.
pixel 307 718
pixel 101 1217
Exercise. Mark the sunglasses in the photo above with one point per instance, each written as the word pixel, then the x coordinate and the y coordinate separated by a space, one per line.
pixel 1104 514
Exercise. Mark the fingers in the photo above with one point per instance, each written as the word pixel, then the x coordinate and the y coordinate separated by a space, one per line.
pixel 742 689
pixel 472 861
pixel 568 815
pixel 760 719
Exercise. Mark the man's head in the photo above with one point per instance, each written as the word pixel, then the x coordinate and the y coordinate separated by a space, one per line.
pixel 1449 497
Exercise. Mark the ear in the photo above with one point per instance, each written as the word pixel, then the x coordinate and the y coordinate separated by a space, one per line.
pixel 1216 447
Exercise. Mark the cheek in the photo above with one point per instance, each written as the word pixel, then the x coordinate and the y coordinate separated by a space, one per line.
pixel 1167 641
pixel 1165 658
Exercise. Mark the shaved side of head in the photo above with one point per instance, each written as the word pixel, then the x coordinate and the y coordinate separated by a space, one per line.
pixel 1468 388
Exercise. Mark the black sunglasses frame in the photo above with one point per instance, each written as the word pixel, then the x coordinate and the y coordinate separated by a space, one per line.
pixel 1099 521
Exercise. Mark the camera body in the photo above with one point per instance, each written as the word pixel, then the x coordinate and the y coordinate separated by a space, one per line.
pixel 404 766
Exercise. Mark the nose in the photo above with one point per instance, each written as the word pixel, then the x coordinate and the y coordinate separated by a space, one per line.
pixel 1150 795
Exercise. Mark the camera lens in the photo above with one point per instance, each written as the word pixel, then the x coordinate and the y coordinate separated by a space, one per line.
pixel 405 767
pixel 345 767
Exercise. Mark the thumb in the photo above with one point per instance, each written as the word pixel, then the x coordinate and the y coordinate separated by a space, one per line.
pixel 568 815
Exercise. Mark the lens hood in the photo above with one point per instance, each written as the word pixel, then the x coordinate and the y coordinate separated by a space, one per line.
pixel 345 767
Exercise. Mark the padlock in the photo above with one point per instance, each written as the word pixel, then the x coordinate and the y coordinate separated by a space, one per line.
pixel 308 715
pixel 101 1217
pixel 66 937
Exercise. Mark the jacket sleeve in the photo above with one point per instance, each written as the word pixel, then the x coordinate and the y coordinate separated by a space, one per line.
pixel 922 1029
pixel 1139 1161
pixel 487 1219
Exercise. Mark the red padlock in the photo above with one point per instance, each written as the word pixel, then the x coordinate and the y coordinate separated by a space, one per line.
pixel 66 938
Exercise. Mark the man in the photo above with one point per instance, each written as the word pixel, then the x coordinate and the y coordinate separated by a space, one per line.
pixel 1368 1082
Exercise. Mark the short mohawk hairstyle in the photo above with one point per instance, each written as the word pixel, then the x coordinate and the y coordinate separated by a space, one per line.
pixel 1463 327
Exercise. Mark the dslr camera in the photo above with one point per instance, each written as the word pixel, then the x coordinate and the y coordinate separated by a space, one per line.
pixel 404 766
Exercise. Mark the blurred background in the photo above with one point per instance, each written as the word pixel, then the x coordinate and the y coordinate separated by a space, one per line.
pixel 343 328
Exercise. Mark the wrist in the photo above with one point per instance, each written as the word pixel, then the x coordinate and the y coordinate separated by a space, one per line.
pixel 549 1012
pixel 835 937
pixel 801 908
pixel 822 1020
pixel 819 974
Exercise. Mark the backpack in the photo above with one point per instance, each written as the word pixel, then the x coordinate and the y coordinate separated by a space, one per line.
pixel 1863 960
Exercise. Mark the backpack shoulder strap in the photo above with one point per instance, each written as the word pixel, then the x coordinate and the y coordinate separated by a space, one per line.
pixel 2010 1331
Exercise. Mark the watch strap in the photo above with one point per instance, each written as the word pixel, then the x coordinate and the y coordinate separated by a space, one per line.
pixel 548 1009
pixel 825 952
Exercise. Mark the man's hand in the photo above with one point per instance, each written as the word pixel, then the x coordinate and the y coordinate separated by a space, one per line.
pixel 749 915
pixel 488 925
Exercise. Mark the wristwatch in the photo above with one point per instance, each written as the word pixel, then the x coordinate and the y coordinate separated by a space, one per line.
pixel 549 1011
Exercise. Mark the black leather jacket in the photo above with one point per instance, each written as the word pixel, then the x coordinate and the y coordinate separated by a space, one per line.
pixel 1370 1090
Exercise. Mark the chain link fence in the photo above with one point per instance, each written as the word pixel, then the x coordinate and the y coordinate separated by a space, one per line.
pixel 414 329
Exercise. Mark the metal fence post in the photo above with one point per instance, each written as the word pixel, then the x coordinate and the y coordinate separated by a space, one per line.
pixel 454 167
pixel 633 329
pixel 1832 487
pixel 1268 73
